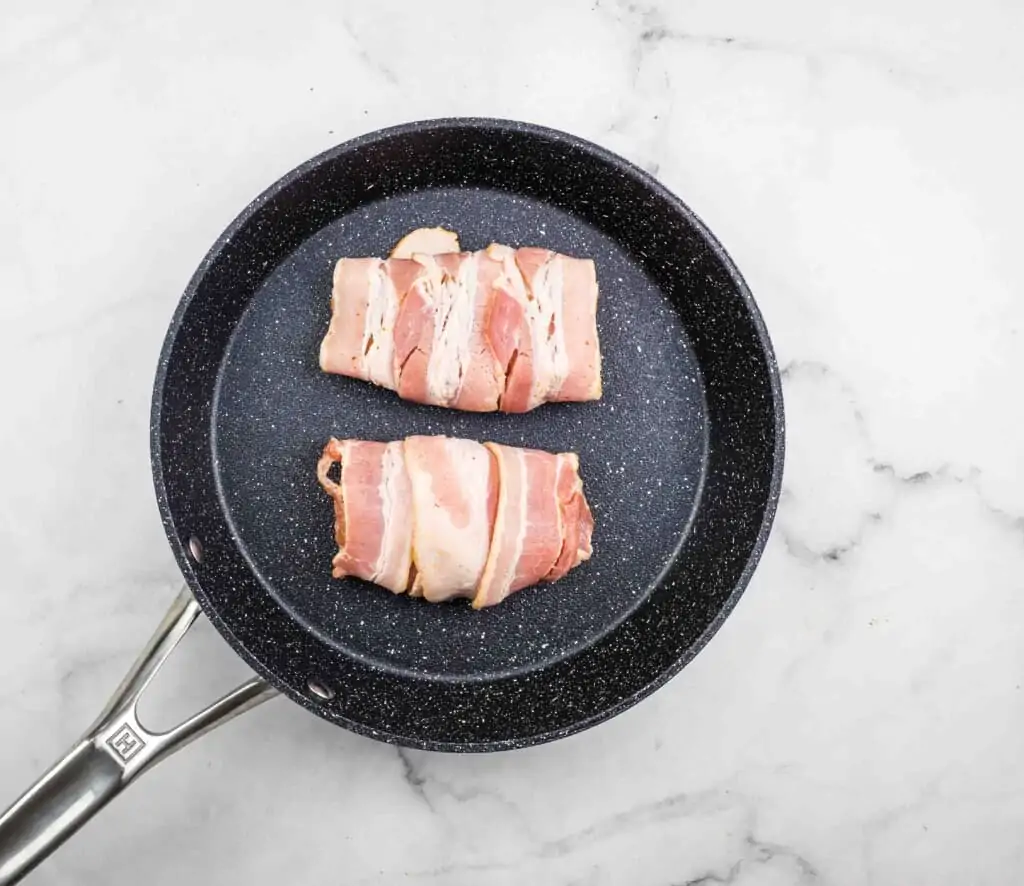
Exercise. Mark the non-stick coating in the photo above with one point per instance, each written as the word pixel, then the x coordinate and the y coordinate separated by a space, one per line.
pixel 641 447
pixel 680 458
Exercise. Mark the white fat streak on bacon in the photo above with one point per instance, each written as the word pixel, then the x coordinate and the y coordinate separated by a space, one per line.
pixel 454 301
pixel 511 278
pixel 395 560
pixel 524 517
pixel 379 327
pixel 451 526
pixel 547 325
pixel 505 553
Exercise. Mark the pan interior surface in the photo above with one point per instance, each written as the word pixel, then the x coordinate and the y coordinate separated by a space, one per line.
pixel 641 447
pixel 681 459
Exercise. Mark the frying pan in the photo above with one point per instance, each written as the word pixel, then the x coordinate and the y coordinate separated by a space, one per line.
pixel 682 461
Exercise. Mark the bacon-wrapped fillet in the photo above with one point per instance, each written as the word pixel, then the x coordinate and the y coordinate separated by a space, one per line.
pixel 499 329
pixel 440 517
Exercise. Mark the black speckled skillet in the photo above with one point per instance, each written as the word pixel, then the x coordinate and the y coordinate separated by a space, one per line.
pixel 682 458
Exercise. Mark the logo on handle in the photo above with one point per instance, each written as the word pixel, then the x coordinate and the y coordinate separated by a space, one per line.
pixel 125 743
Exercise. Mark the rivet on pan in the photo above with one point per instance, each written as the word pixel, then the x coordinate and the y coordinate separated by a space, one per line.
pixel 320 691
pixel 195 548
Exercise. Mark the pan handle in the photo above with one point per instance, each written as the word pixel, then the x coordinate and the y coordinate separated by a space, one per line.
pixel 115 750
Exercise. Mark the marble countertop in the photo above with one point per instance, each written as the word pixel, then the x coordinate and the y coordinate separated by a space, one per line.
pixel 857 720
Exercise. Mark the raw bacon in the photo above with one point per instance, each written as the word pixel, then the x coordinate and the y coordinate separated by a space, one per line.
pixel 499 329
pixel 373 518
pixel 440 517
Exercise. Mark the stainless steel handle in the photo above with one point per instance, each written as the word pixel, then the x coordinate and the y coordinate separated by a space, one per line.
pixel 115 750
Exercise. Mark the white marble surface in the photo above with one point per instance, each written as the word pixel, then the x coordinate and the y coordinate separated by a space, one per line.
pixel 859 718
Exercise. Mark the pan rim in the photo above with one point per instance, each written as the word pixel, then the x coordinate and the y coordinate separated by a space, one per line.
pixel 179 545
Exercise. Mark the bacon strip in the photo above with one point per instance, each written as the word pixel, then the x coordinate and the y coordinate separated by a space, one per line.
pixel 440 517
pixel 454 487
pixel 372 511
pixel 499 329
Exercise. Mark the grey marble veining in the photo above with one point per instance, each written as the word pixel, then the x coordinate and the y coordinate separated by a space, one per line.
pixel 858 718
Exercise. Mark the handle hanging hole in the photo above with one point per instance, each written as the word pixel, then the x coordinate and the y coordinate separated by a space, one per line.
pixel 195 548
